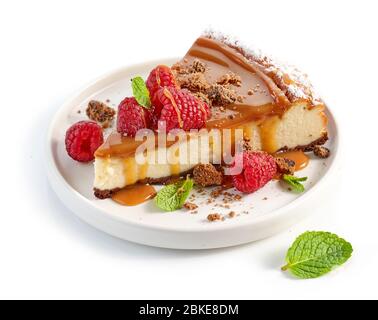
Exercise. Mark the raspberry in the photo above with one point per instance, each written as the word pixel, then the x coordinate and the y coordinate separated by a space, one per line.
pixel 83 139
pixel 180 109
pixel 159 77
pixel 132 117
pixel 258 168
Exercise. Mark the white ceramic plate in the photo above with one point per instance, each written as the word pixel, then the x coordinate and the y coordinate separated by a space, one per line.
pixel 257 218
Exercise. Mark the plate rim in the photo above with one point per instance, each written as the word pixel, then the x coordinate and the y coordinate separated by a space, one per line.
pixel 54 173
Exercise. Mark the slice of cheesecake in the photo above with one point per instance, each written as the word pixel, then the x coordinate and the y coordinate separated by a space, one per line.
pixel 273 104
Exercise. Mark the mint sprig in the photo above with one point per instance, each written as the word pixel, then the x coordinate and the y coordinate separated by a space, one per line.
pixel 295 182
pixel 314 254
pixel 140 92
pixel 173 196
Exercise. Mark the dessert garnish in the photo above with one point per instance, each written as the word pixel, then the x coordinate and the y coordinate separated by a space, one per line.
pixel 206 175
pixel 140 92
pixel 322 152
pixel 181 110
pixel 172 197
pixel 190 206
pixel 134 195
pixel 214 217
pixel 160 77
pixel 132 117
pixel 100 113
pixel 252 170
pixel 83 139
pixel 294 182
pixel 285 166
pixel 314 254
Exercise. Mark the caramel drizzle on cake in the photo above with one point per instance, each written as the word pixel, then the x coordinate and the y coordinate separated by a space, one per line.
pixel 294 84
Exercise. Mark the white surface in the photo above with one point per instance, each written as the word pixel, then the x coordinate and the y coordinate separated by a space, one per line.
pixel 50 49
pixel 146 224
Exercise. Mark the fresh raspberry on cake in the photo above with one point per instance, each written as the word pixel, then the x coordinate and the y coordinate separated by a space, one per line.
pixel 159 77
pixel 252 170
pixel 181 110
pixel 83 139
pixel 132 117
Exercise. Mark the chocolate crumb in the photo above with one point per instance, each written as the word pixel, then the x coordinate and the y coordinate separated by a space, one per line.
pixel 221 96
pixel 250 92
pixel 203 97
pixel 190 206
pixel 240 99
pixel 194 82
pixel 245 144
pixel 207 175
pixel 79 111
pixel 101 113
pixel 198 66
pixel 232 214
pixel 322 152
pixel 214 217
pixel 216 193
pixel 285 166
pixel 265 198
pixel 237 197
pixel 230 79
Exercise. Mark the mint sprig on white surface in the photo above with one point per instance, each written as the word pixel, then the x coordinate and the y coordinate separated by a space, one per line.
pixel 294 182
pixel 173 196
pixel 314 254
pixel 140 92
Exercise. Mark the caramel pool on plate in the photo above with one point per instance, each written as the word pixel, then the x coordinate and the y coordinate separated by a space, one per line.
pixel 134 195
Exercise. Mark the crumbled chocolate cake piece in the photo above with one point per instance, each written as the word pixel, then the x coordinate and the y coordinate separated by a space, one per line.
pixel 230 79
pixel 232 214
pixel 240 99
pixel 194 82
pixel 285 166
pixel 216 193
pixel 190 206
pixel 214 217
pixel 322 152
pixel 250 92
pixel 221 96
pixel 237 197
pixel 207 175
pixel 198 66
pixel 203 97
pixel 182 68
pixel 245 144
pixel 100 112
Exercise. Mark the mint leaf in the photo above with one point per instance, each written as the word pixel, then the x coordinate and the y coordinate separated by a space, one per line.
pixel 295 182
pixel 314 254
pixel 140 92
pixel 173 196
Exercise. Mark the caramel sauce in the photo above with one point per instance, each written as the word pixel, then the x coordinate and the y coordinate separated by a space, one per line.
pixel 264 106
pixel 227 182
pixel 299 157
pixel 134 195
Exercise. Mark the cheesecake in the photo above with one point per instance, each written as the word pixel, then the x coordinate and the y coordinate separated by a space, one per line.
pixel 253 97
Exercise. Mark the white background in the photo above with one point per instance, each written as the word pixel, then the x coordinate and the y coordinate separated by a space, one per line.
pixel 49 49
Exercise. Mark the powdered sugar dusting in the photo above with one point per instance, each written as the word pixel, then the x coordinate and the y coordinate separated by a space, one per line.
pixel 294 83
